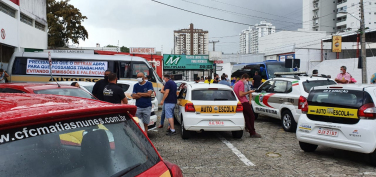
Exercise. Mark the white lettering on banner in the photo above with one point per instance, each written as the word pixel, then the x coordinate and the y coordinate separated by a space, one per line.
pixel 83 68
pixel 142 50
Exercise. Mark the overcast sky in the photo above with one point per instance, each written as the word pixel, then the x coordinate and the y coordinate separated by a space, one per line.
pixel 145 23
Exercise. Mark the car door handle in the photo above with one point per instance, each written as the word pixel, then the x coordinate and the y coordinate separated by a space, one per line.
pixel 281 99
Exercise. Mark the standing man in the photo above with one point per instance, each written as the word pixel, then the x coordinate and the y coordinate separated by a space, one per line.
pixel 256 82
pixel 224 81
pixel 343 77
pixel 169 100
pixel 113 93
pixel 99 86
pixel 142 93
pixel 247 109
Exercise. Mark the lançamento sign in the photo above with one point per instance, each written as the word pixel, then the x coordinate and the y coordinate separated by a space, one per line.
pixel 181 62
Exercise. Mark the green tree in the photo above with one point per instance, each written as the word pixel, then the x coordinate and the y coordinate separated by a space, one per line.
pixel 124 49
pixel 64 23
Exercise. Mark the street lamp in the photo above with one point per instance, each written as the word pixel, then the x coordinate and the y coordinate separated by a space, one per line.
pixel 363 42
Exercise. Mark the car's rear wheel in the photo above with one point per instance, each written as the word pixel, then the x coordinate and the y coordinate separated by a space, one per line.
pixel 288 121
pixel 237 134
pixel 185 134
pixel 256 115
pixel 373 158
pixel 306 147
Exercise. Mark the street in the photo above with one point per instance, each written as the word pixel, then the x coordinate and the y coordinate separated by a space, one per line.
pixel 277 153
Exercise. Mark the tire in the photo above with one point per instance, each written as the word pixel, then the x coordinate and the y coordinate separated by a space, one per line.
pixel 256 115
pixel 288 121
pixel 185 134
pixel 373 158
pixel 237 134
pixel 306 147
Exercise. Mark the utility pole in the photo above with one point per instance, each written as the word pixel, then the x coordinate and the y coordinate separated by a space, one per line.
pixel 213 44
pixel 363 44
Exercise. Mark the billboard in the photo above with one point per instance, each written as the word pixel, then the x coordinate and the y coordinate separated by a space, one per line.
pixel 142 50
pixel 184 62
pixel 336 43
pixel 213 55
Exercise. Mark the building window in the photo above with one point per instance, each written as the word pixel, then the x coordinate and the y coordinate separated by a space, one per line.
pixel 26 19
pixel 40 26
pixel 7 10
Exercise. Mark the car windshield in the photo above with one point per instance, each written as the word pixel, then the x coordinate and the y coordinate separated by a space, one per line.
pixel 89 88
pixel 77 92
pixel 307 85
pixel 272 68
pixel 111 145
pixel 213 95
pixel 124 87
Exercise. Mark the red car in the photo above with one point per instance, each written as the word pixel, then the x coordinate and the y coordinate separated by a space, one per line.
pixel 51 135
pixel 39 88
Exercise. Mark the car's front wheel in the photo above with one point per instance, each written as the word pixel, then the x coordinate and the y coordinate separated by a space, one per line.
pixel 237 134
pixel 184 133
pixel 306 147
pixel 288 122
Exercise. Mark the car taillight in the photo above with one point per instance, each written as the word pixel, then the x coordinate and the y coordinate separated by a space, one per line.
pixel 367 111
pixel 189 107
pixel 239 107
pixel 301 101
pixel 305 107
pixel 174 169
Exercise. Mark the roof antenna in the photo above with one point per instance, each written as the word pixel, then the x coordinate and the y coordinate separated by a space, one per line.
pixel 50 63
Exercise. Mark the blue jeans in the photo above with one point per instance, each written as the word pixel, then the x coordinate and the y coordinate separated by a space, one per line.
pixel 163 115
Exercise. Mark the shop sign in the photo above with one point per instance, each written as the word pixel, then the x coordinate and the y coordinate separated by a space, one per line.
pixel 142 50
pixel 171 61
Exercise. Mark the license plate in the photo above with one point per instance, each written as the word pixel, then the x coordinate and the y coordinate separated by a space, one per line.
pixel 215 109
pixel 327 132
pixel 216 122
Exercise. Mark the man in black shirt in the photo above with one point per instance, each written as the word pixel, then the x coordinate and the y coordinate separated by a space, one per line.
pixel 99 86
pixel 256 82
pixel 113 93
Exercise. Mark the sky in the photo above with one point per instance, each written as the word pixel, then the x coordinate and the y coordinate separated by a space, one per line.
pixel 147 23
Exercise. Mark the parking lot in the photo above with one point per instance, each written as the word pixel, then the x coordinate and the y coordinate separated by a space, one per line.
pixel 277 153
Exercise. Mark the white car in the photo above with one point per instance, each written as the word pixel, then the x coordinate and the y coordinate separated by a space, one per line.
pixel 341 117
pixel 204 107
pixel 283 97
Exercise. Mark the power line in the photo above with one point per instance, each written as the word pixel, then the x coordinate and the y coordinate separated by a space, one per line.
pixel 236 13
pixel 202 14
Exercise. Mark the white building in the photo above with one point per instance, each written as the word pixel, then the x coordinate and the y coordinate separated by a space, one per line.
pixel 322 15
pixel 249 38
pixel 191 41
pixel 23 24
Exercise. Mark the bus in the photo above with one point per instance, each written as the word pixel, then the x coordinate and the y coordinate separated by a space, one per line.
pixel 266 69
pixel 78 65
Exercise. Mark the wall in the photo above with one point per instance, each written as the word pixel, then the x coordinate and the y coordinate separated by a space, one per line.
pixel 309 58
pixel 31 37
pixel 332 67
pixel 242 58
pixel 226 68
pixel 35 7
pixel 10 25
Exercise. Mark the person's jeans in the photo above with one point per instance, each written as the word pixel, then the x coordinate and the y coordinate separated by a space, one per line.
pixel 163 117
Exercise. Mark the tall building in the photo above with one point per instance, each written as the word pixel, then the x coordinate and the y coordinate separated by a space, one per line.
pixel 320 15
pixel 249 37
pixel 191 41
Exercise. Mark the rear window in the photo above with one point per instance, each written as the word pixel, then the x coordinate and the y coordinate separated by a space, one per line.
pixel 307 85
pixel 109 145
pixel 213 95
pixel 124 87
pixel 338 106
pixel 76 92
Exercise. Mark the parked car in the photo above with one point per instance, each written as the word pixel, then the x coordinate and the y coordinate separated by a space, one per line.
pixel 54 89
pixel 51 135
pixel 341 117
pixel 282 97
pixel 204 107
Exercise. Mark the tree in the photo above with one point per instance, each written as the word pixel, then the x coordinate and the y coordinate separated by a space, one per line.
pixel 64 23
pixel 124 49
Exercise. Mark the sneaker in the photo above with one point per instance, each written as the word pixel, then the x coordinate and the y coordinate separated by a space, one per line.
pixel 168 130
pixel 171 133
pixel 256 135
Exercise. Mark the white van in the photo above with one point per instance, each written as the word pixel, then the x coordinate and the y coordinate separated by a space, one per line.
pixel 78 65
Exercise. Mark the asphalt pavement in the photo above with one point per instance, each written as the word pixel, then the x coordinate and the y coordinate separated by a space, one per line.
pixel 277 153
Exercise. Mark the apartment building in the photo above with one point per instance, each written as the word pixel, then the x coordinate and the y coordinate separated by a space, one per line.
pixel 249 38
pixel 191 41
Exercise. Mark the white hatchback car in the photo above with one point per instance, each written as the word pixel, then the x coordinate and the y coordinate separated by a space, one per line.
pixel 283 96
pixel 209 107
pixel 342 117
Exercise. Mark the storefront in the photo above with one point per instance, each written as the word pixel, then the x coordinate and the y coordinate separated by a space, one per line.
pixel 187 67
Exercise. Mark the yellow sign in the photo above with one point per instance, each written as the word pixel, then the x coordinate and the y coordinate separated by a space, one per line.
pixel 215 109
pixel 337 44
pixel 333 112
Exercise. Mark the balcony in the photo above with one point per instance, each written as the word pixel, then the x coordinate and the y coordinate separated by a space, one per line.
pixel 315 0
pixel 315 17
pixel 341 2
